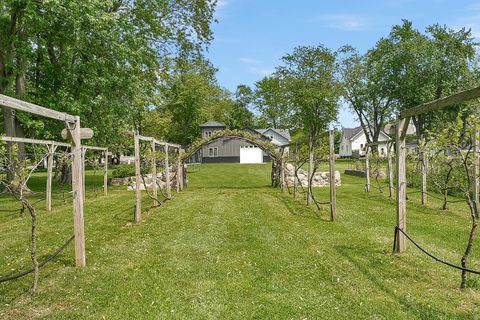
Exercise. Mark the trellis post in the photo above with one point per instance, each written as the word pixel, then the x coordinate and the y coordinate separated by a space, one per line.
pixel 105 174
pixel 84 151
pixel 181 168
pixel 138 180
pixel 77 188
pixel 367 168
pixel 476 168
pixel 177 175
pixel 402 124
pixel 390 170
pixel 333 191
pixel 51 150
pixel 167 173
pixel 424 177
pixel 154 174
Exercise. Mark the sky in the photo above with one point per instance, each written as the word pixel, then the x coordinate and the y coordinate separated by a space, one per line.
pixel 251 36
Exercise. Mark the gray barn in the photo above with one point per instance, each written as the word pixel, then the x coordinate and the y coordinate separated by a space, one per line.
pixel 236 151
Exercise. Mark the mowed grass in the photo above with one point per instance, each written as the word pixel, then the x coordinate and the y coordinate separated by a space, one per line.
pixel 232 247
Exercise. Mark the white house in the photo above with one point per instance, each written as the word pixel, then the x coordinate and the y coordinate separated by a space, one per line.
pixel 353 142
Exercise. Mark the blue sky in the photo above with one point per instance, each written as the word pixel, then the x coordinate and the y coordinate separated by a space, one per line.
pixel 252 35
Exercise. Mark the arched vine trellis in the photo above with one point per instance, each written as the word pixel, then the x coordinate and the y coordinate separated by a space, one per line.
pixel 277 155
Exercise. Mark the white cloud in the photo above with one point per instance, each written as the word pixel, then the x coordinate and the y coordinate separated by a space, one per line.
pixel 344 22
pixel 222 4
pixel 249 61
pixel 261 70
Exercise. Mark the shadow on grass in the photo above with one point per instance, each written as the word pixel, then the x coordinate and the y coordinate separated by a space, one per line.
pixel 299 209
pixel 418 310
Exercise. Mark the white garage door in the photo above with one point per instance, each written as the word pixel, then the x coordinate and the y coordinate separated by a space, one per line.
pixel 251 155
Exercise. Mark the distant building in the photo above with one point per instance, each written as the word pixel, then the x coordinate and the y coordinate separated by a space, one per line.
pixel 237 151
pixel 353 143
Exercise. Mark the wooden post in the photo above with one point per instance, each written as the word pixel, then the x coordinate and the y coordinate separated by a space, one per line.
pixel 84 151
pixel 402 124
pixel 105 174
pixel 367 168
pixel 167 173
pixel 295 182
pixel 77 188
pixel 476 168
pixel 182 168
pixel 390 171
pixel 333 191
pixel 179 162
pixel 310 172
pixel 282 176
pixel 138 180
pixel 424 177
pixel 154 174
pixel 51 151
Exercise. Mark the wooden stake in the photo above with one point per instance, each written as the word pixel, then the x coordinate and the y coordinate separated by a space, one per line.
pixel 48 200
pixel 77 188
pixel 367 168
pixel 167 173
pixel 333 191
pixel 182 169
pixel 390 171
pixel 476 168
pixel 402 124
pixel 179 162
pixel 84 151
pixel 424 177
pixel 105 174
pixel 138 180
pixel 154 174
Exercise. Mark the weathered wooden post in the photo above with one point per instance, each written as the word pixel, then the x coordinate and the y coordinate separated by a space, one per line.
pixel 167 173
pixel 177 175
pixel 51 151
pixel 181 168
pixel 154 174
pixel 367 168
pixel 390 170
pixel 105 174
pixel 401 154
pixel 77 188
pixel 476 168
pixel 424 177
pixel 295 182
pixel 84 151
pixel 333 191
pixel 138 180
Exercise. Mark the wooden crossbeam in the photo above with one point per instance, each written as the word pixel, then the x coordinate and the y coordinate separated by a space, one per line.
pixel 441 103
pixel 158 142
pixel 20 105
pixel 35 141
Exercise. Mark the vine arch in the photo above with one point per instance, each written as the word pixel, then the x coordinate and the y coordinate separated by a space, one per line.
pixel 277 156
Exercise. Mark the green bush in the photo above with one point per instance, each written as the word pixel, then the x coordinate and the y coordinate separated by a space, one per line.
pixel 123 171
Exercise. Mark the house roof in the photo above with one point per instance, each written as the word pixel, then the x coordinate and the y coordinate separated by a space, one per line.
pixel 283 132
pixel 213 123
pixel 349 133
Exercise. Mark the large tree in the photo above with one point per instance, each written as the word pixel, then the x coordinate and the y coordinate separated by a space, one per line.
pixel 367 96
pixel 309 76
pixel 271 101
pixel 101 59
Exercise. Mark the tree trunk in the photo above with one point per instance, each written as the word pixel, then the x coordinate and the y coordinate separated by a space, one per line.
pixel 66 177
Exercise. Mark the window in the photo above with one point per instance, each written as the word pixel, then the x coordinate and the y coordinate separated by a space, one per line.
pixel 213 152
pixel 342 148
pixel 208 134
pixel 382 151
pixel 361 147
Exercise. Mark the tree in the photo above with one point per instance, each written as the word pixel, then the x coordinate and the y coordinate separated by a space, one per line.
pixel 240 115
pixel 424 67
pixel 364 91
pixel 309 76
pixel 102 60
pixel 270 100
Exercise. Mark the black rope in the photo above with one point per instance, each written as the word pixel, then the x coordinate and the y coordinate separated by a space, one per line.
pixel 44 262
pixel 428 253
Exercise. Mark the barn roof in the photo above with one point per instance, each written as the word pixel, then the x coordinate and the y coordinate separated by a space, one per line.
pixel 213 123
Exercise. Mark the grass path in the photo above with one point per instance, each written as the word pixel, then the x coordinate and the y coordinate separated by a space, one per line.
pixel 231 247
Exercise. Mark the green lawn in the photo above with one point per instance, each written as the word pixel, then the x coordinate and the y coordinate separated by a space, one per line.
pixel 231 247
